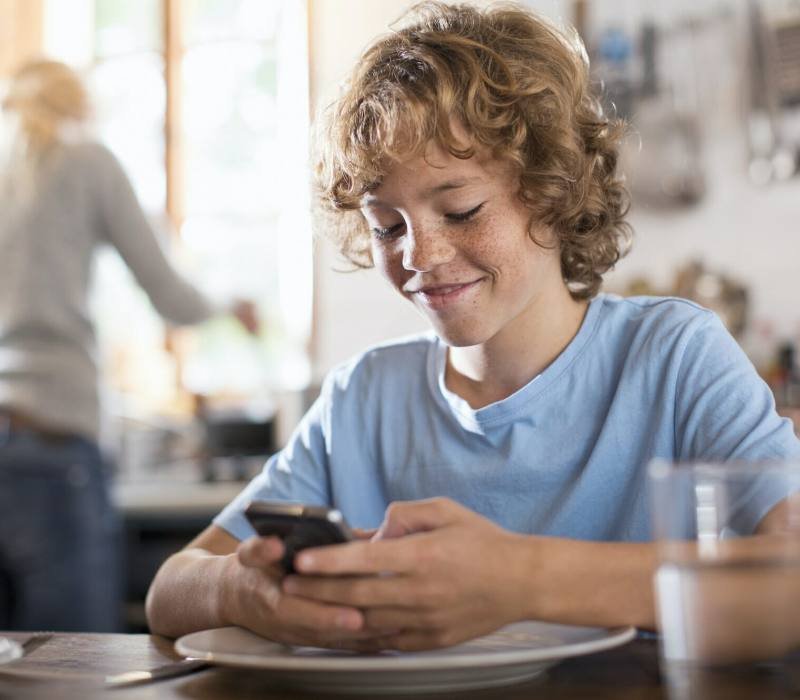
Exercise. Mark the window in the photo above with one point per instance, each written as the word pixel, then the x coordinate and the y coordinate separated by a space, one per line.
pixel 205 102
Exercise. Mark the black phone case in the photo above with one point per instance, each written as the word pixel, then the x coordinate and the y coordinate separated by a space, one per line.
pixel 297 532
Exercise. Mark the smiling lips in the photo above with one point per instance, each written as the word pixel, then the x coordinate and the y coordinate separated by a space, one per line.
pixel 442 295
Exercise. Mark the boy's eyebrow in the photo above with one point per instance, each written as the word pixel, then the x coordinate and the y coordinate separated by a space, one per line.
pixel 451 185
pixel 458 183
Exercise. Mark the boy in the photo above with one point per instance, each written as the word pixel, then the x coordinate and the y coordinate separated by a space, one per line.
pixel 503 456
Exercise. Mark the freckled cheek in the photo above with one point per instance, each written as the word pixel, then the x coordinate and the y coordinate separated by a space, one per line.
pixel 389 265
pixel 489 253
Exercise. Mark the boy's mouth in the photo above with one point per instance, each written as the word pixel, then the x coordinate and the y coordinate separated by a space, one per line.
pixel 441 295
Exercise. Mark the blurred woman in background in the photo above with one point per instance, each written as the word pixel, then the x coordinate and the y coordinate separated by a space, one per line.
pixel 62 196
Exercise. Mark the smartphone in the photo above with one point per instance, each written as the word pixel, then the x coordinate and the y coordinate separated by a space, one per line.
pixel 299 526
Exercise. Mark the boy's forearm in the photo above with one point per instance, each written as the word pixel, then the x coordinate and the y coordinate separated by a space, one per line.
pixel 188 593
pixel 604 584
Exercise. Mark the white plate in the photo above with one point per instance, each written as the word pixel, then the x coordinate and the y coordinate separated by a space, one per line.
pixel 513 654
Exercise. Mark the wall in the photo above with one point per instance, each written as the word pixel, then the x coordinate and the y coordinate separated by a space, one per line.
pixel 746 231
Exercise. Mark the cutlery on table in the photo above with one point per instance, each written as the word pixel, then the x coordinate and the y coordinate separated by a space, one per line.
pixel 35 641
pixel 172 670
pixel 12 651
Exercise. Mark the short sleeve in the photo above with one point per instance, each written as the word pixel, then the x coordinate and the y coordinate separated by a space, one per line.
pixel 725 412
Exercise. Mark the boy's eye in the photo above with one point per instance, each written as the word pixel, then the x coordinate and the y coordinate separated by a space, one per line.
pixel 388 231
pixel 464 215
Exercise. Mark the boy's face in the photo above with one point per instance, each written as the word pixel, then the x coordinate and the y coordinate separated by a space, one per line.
pixel 452 237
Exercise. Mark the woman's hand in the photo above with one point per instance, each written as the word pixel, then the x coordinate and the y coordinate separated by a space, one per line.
pixel 252 598
pixel 246 313
pixel 435 574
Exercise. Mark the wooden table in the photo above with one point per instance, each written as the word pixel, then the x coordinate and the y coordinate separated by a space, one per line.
pixel 72 666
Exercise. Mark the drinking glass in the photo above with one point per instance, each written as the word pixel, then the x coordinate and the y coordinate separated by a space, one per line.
pixel 728 593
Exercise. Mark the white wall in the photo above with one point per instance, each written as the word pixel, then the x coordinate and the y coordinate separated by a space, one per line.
pixel 749 232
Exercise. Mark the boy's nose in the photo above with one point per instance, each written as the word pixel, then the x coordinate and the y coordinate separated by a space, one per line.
pixel 426 248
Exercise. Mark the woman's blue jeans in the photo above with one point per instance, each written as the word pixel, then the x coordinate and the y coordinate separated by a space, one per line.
pixel 60 561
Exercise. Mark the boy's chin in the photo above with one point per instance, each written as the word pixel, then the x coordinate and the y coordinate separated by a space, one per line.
pixel 460 337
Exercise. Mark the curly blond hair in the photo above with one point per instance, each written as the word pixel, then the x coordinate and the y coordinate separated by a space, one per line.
pixel 520 88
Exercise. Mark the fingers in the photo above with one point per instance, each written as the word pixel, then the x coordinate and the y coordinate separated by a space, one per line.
pixel 260 552
pixel 381 628
pixel 371 645
pixel 355 592
pixel 319 618
pixel 366 642
pixel 420 640
pixel 406 517
pixel 362 640
pixel 270 612
pixel 400 618
pixel 247 314
pixel 360 557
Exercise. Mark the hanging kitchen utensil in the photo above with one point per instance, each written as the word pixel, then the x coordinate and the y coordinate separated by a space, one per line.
pixel 774 113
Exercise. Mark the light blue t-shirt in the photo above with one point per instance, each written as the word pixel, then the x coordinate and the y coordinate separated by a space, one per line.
pixel 566 455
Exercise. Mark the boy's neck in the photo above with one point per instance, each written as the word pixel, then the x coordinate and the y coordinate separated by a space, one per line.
pixel 492 371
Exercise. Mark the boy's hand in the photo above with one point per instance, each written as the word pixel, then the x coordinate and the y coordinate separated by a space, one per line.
pixel 256 602
pixel 435 572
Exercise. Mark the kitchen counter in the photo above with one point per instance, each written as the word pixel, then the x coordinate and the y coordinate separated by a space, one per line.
pixel 182 487
pixel 164 497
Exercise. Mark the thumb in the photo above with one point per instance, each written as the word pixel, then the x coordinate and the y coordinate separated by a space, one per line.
pixel 260 552
pixel 406 518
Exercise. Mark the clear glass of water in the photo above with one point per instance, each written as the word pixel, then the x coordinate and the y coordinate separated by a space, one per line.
pixel 727 595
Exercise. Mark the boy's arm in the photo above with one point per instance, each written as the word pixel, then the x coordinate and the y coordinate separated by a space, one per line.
pixel 603 584
pixel 187 592
pixel 607 584
pixel 217 581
